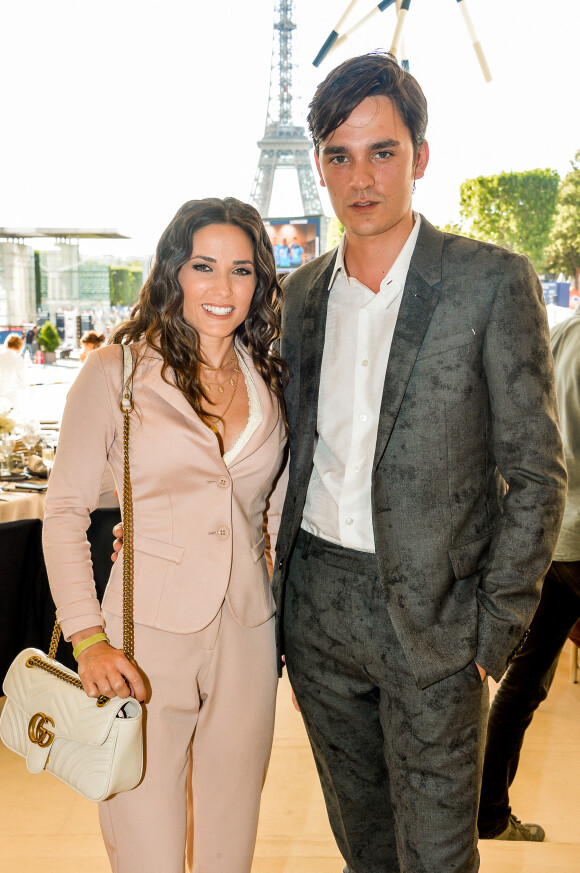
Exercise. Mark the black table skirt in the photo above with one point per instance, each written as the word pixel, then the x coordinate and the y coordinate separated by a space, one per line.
pixel 27 612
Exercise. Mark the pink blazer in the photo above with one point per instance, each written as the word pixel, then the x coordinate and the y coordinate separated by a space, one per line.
pixel 198 525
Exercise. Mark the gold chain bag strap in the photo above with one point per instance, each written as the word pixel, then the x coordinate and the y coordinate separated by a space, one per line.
pixel 93 745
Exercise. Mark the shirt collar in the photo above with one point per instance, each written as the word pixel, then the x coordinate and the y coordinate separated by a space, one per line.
pixel 400 268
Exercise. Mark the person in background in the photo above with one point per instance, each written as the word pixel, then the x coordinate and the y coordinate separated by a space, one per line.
pixel 277 248
pixel 12 370
pixel 284 255
pixel 90 341
pixel 529 677
pixel 30 342
pixel 206 446
pixel 296 253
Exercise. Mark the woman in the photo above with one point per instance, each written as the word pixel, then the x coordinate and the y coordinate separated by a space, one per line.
pixel 90 341
pixel 207 440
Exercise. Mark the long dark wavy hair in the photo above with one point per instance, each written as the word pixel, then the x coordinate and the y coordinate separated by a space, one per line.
pixel 157 317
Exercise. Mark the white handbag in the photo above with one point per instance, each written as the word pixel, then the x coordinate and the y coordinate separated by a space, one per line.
pixel 94 745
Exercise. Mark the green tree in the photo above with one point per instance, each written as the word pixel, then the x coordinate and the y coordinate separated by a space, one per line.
pixel 513 210
pixel 37 280
pixel 563 253
pixel 125 283
pixel 334 231
pixel 451 227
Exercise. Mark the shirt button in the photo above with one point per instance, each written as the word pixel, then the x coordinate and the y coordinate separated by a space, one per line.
pixel 223 532
pixel 349 520
pixel 365 363
pixel 356 470
pixel 223 482
pixel 363 417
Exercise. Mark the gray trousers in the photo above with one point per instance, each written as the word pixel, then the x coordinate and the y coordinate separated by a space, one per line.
pixel 400 767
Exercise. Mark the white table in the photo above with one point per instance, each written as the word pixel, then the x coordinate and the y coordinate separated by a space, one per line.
pixel 16 505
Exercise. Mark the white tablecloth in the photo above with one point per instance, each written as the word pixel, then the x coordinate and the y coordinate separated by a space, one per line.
pixel 15 505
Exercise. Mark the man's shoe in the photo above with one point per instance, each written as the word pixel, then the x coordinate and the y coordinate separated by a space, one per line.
pixel 516 830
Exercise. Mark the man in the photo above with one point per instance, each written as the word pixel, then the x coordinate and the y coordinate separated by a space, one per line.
pixel 31 336
pixel 284 255
pixel 420 384
pixel 529 677
pixel 296 253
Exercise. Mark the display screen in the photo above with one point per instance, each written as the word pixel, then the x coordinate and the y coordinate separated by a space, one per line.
pixel 294 240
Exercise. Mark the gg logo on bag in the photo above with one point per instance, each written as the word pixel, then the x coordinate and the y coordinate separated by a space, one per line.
pixel 37 731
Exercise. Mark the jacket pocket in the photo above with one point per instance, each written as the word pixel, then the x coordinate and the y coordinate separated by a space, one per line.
pixel 258 549
pixel 468 558
pixel 159 549
pixel 438 347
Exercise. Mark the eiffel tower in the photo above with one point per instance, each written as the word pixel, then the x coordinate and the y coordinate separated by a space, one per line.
pixel 284 145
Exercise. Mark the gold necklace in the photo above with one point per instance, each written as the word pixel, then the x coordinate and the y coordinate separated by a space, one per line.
pixel 219 387
pixel 215 427
pixel 223 366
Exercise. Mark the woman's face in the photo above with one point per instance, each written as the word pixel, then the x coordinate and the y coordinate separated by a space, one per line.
pixel 218 281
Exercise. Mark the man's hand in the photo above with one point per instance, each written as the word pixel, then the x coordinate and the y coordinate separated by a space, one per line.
pixel 118 543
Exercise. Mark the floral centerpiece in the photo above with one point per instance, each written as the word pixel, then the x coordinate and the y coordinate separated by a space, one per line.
pixel 7 424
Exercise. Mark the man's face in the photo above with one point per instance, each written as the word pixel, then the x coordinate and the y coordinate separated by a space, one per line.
pixel 369 168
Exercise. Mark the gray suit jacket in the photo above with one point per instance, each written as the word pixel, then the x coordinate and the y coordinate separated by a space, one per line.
pixel 468 405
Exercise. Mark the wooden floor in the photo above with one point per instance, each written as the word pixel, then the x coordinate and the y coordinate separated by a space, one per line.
pixel 45 826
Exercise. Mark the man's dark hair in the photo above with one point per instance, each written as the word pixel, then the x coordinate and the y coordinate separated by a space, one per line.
pixel 369 75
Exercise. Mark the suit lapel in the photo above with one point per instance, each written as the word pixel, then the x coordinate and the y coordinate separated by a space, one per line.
pixel 152 364
pixel 149 371
pixel 270 411
pixel 417 305
pixel 312 347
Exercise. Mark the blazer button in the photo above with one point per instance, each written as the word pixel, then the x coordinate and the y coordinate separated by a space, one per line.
pixel 223 532
pixel 223 482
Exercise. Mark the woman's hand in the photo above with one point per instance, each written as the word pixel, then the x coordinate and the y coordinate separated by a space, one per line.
pixel 118 543
pixel 104 670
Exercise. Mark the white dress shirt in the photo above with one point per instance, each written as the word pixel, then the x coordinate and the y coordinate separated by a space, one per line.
pixel 359 332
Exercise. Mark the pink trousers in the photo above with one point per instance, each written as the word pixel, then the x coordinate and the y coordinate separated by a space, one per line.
pixel 208 731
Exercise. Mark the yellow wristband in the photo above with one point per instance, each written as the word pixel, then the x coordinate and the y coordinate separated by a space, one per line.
pixel 90 641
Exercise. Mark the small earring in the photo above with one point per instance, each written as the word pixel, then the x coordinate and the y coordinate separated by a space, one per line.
pixel 414 187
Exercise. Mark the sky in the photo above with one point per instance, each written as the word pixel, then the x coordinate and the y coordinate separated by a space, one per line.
pixel 114 113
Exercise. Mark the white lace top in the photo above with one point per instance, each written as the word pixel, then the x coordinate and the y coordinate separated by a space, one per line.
pixel 255 415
